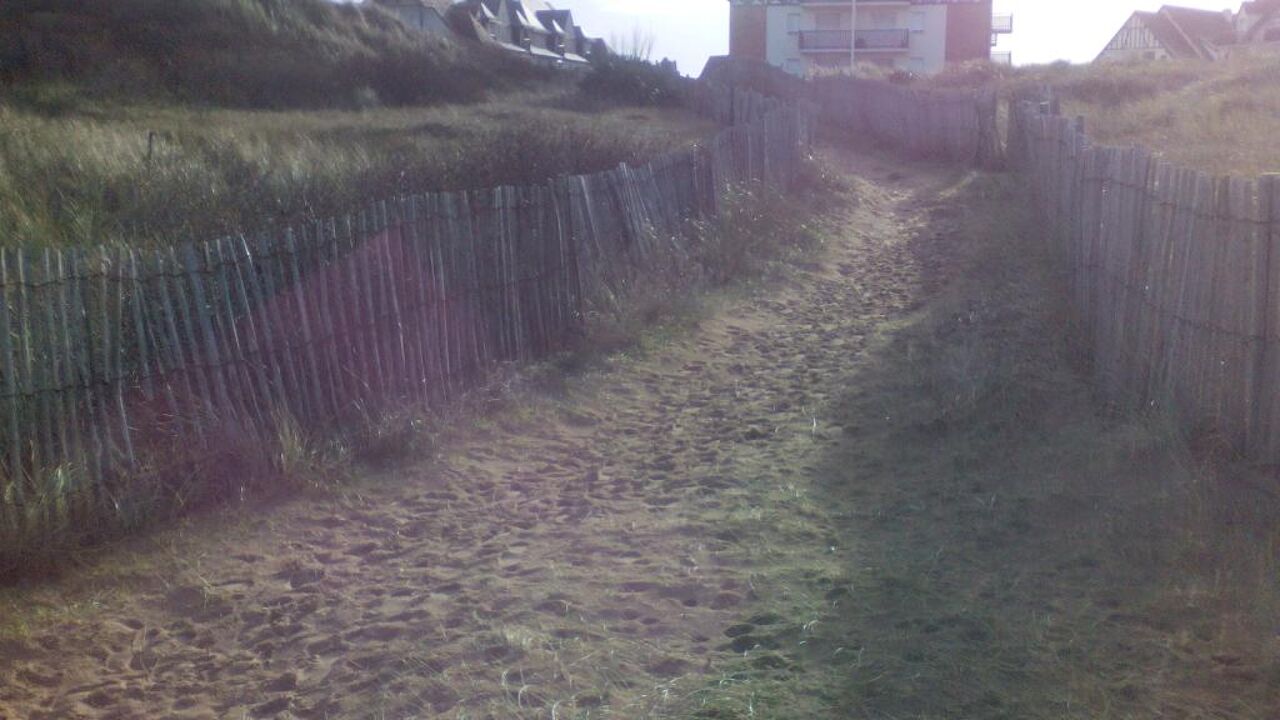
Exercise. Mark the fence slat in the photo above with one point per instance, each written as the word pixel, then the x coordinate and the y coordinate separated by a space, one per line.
pixel 109 356
pixel 14 453
pixel 116 360
pixel 1268 313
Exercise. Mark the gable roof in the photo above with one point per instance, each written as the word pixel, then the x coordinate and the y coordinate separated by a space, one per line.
pixel 1167 34
pixel 1203 29
pixel 1186 32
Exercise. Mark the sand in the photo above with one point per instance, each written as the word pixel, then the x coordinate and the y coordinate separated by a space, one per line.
pixel 572 562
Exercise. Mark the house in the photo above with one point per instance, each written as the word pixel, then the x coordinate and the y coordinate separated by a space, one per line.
pixel 424 15
pixel 1258 22
pixel 1185 33
pixel 805 36
pixel 533 29
pixel 1170 33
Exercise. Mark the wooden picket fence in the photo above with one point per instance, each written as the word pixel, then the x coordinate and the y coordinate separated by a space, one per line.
pixel 1172 274
pixel 108 354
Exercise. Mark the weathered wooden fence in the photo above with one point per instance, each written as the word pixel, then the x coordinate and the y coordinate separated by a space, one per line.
pixel 107 354
pixel 1172 273
pixel 955 125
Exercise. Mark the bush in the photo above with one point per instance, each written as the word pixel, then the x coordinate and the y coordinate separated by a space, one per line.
pixel 633 82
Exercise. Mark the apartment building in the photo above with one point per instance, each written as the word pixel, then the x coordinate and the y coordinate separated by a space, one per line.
pixel 922 36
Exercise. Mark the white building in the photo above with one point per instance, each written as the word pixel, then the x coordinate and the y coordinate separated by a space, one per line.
pixel 921 36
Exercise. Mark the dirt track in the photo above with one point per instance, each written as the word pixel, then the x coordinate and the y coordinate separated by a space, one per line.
pixel 574 562
pixel 767 517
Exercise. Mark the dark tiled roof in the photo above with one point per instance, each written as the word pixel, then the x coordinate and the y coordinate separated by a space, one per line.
pixel 1202 27
pixel 556 20
pixel 1167 34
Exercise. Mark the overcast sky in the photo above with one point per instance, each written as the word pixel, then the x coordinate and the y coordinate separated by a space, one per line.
pixel 689 31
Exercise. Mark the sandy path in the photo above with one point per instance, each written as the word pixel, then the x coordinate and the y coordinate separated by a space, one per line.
pixel 572 563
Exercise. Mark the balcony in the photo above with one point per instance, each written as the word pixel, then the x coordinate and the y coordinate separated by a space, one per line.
pixel 1002 24
pixel 826 40
pixel 882 39
pixel 863 40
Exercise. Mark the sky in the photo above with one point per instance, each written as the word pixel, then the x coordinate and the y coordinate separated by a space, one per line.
pixel 688 31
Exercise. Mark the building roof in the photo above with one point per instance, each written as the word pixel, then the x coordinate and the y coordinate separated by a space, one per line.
pixel 1264 11
pixel 1259 6
pixel 1189 33
pixel 1204 29
pixel 557 21
pixel 440 6
pixel 1167 34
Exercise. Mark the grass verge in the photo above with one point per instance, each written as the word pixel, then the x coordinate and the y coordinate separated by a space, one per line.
pixel 1019 550
pixel 757 229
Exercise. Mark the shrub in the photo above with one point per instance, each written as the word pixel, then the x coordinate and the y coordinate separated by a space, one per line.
pixel 632 81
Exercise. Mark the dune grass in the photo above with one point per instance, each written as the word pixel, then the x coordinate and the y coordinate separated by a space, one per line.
pixel 160 175
pixel 1218 117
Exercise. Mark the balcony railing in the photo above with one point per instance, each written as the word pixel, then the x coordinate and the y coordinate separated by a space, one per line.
pixel 1002 24
pixel 1003 57
pixel 881 39
pixel 820 40
pixel 836 40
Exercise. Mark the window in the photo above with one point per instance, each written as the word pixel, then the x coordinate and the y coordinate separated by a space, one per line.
pixel 884 19
pixel 793 22
pixel 830 20
pixel 917 22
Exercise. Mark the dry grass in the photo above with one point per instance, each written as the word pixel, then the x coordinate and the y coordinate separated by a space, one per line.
pixel 160 175
pixel 1217 117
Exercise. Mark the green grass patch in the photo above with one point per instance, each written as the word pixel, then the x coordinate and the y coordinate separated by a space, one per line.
pixel 1028 550
pixel 162 175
